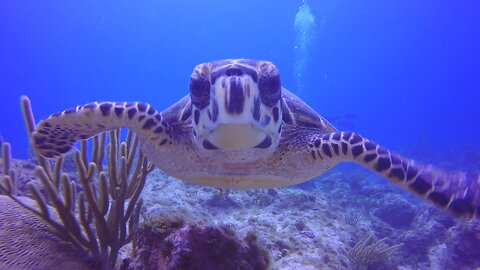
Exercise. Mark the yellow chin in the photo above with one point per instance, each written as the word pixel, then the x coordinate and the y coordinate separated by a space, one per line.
pixel 235 136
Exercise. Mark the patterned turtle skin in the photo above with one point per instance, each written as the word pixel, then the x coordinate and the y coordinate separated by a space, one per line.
pixel 238 128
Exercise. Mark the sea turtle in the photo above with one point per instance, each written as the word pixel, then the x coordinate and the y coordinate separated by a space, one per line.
pixel 238 128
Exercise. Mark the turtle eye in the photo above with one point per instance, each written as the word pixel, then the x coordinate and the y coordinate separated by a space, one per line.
pixel 270 87
pixel 199 90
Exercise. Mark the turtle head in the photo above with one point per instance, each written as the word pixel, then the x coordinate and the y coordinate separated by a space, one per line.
pixel 236 107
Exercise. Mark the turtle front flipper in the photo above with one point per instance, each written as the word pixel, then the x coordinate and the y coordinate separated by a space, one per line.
pixel 459 193
pixel 58 133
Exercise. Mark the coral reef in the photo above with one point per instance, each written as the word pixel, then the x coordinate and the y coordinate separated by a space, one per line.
pixel 367 252
pixel 463 245
pixel 189 246
pixel 306 228
pixel 352 217
pixel 396 211
pixel 100 219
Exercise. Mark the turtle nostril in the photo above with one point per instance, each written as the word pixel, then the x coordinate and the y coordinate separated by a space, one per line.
pixel 234 71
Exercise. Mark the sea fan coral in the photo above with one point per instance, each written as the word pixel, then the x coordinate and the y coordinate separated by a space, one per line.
pixel 367 252
pixel 102 217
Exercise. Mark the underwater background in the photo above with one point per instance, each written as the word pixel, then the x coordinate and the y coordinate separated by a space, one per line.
pixel 405 74
pixel 407 71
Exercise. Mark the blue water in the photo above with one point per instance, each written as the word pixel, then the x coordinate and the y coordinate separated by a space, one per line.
pixel 409 71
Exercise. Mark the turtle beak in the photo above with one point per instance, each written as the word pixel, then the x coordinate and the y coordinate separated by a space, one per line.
pixel 236 136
